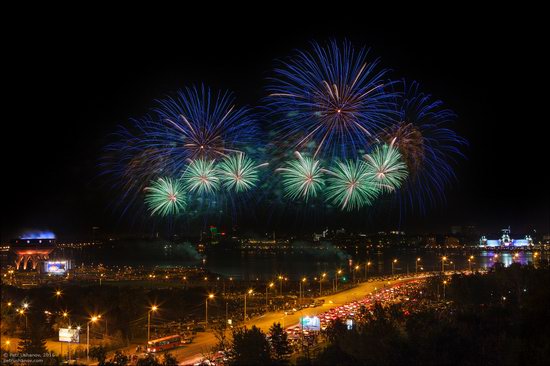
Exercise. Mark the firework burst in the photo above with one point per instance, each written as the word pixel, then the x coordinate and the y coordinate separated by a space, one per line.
pixel 302 177
pixel 201 177
pixel 350 185
pixel 165 197
pixel 427 146
pixel 238 172
pixel 332 99
pixel 386 166
pixel 200 123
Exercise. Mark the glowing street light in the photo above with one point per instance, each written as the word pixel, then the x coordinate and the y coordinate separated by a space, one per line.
pixel 470 261
pixel 281 284
pixel 58 293
pixel 93 319
pixel 416 264
pixel 270 285
pixel 393 266
pixel 153 309
pixel 210 296
pixel 444 285
pixel 336 281
pixel 443 259
pixel 249 292
pixel 321 278
pixel 303 280
pixel 367 265
pixel 356 269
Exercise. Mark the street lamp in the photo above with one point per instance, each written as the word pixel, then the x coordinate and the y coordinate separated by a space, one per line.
pixel 303 280
pixel 249 292
pixel 356 269
pixel 321 278
pixel 470 261
pixel 271 284
pixel 416 264
pixel 281 287
pixel 367 265
pixel 153 309
pixel 210 296
pixel 393 266
pixel 93 319
pixel 23 313
pixel 336 281
pixel 443 259
pixel 444 285
pixel 58 293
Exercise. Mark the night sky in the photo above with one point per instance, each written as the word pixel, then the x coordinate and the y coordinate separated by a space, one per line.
pixel 76 83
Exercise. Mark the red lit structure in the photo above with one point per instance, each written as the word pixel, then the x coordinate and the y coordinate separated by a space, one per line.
pixel 33 250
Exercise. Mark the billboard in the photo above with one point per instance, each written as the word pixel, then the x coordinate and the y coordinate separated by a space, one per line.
pixel 310 323
pixel 56 267
pixel 69 335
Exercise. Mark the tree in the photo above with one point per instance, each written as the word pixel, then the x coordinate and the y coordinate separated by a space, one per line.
pixel 169 360
pixel 279 343
pixel 24 344
pixel 250 347
pixel 99 353
pixel 149 360
pixel 120 359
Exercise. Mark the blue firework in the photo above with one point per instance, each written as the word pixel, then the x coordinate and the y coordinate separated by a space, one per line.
pixel 198 123
pixel 331 100
pixel 428 147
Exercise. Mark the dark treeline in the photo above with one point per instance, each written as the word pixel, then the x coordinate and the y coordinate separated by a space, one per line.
pixel 123 309
pixel 499 318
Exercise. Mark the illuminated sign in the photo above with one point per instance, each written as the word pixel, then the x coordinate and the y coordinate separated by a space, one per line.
pixel 349 324
pixel 310 323
pixel 69 335
pixel 57 267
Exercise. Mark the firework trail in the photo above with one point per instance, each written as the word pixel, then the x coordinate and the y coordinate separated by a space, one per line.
pixel 165 197
pixel 427 146
pixel 238 172
pixel 302 177
pixel 331 100
pixel 350 186
pixel 384 163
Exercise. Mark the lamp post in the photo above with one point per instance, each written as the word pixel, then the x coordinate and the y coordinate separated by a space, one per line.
pixel 249 292
pixel 210 296
pixel 23 313
pixel 321 278
pixel 271 284
pixel 300 298
pixel 281 285
pixel 356 269
pixel 336 281
pixel 153 309
pixel 367 265
pixel 93 319
pixel 444 285
pixel 470 260
pixel 416 265
pixel 443 259
pixel 65 316
pixel 393 266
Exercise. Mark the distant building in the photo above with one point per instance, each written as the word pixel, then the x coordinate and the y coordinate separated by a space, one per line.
pixel 505 241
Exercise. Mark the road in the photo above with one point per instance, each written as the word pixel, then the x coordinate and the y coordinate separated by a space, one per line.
pixel 203 343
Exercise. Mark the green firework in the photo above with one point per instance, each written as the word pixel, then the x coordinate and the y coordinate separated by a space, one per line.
pixel 350 186
pixel 165 197
pixel 238 172
pixel 201 176
pixel 387 167
pixel 302 178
